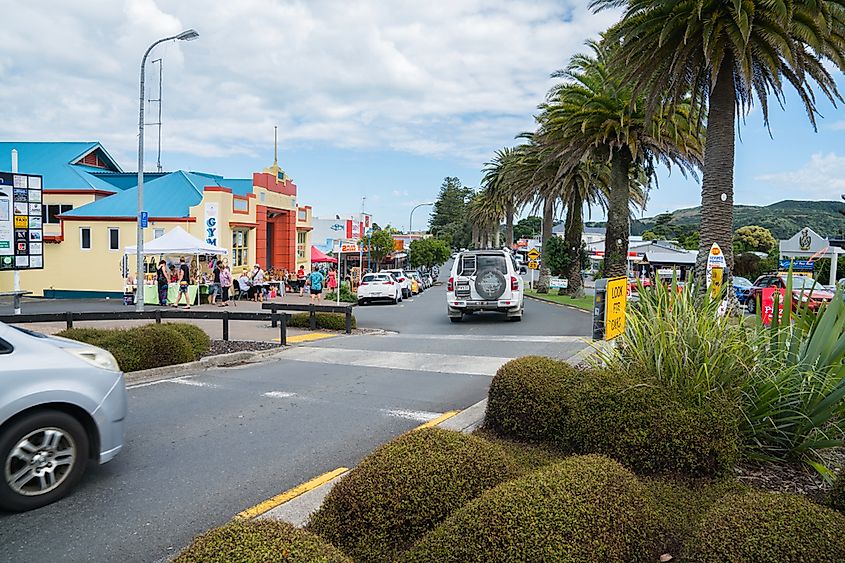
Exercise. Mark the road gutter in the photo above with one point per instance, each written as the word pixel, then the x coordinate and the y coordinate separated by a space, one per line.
pixel 544 300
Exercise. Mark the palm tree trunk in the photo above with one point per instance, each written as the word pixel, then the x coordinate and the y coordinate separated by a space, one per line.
pixel 497 236
pixel 572 236
pixel 717 190
pixel 548 220
pixel 618 215
pixel 509 213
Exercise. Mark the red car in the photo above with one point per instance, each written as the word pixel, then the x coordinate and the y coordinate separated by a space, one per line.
pixel 804 289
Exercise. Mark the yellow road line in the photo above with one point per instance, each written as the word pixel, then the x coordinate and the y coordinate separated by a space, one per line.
pixel 284 497
pixel 445 416
pixel 309 337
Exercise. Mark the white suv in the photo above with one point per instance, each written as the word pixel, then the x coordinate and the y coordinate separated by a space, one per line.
pixel 484 280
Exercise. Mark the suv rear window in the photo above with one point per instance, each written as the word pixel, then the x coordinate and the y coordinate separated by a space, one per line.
pixel 473 263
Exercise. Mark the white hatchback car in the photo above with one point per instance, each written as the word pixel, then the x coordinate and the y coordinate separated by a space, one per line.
pixel 403 279
pixel 381 286
pixel 485 280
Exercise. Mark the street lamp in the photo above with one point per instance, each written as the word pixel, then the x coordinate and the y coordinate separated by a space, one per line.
pixel 187 35
pixel 411 227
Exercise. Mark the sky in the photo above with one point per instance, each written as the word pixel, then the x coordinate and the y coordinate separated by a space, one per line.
pixel 373 99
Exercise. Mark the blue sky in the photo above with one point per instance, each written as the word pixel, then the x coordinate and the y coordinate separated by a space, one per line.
pixel 372 98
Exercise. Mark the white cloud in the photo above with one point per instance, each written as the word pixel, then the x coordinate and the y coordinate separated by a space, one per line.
pixel 455 78
pixel 823 177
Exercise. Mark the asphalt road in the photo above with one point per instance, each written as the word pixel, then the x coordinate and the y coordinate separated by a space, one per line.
pixel 201 449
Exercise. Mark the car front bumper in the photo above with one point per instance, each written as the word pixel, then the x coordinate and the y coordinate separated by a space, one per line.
pixel 110 418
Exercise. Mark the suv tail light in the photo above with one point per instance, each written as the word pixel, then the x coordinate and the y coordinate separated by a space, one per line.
pixel 451 285
pixel 401 279
pixel 514 284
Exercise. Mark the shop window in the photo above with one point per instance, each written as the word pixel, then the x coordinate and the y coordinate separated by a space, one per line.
pixel 49 213
pixel 114 238
pixel 241 205
pixel 158 233
pixel 85 238
pixel 300 245
pixel 240 247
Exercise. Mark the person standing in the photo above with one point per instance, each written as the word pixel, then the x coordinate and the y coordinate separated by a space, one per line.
pixel 162 275
pixel 300 280
pixel 225 284
pixel 214 288
pixel 184 280
pixel 315 281
pixel 331 282
pixel 258 282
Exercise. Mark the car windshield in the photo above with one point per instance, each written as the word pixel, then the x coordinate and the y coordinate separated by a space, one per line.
pixel 805 283
pixel 373 277
pixel 742 282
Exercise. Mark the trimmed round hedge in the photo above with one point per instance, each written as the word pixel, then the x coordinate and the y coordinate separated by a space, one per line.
pixel 836 498
pixel 594 411
pixel 585 508
pixel 405 488
pixel 768 528
pixel 198 339
pixel 260 541
pixel 326 321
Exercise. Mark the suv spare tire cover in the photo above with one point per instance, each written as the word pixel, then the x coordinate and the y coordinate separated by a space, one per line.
pixel 490 284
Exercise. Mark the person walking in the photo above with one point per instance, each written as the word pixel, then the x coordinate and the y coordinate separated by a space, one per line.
pixel 184 280
pixel 225 284
pixel 214 288
pixel 300 280
pixel 315 281
pixel 162 276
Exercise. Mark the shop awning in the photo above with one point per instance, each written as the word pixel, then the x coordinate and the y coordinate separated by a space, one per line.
pixel 317 256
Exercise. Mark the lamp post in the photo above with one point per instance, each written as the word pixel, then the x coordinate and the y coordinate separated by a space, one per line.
pixel 411 226
pixel 187 35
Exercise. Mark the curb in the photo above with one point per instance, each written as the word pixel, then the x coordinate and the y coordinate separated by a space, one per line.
pixel 208 362
pixel 535 298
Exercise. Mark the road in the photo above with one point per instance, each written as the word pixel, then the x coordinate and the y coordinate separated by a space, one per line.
pixel 200 449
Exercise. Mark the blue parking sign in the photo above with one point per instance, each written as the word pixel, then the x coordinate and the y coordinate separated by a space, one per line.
pixel 145 219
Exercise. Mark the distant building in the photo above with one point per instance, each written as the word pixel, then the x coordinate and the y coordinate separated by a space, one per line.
pixel 90 208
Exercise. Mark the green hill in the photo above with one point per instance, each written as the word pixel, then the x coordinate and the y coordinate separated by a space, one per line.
pixel 784 218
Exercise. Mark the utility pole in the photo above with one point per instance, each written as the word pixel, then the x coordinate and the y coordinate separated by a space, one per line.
pixel 158 101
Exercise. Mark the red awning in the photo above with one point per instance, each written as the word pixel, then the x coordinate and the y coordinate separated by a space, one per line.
pixel 318 256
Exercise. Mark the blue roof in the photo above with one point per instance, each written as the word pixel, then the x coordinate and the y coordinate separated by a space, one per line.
pixel 240 186
pixel 170 195
pixel 54 161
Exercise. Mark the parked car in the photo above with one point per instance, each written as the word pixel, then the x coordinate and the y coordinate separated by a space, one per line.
pixel 62 404
pixel 417 278
pixel 804 290
pixel 742 287
pixel 485 280
pixel 403 279
pixel 378 287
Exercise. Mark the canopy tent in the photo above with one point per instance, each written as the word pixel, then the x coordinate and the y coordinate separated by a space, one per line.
pixel 317 256
pixel 177 241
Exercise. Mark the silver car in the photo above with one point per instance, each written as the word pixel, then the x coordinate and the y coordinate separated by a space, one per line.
pixel 62 403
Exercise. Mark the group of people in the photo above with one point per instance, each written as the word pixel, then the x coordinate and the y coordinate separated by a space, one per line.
pixel 251 282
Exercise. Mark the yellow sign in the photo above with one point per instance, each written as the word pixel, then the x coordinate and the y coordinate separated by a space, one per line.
pixel 614 313
pixel 21 221
pixel 534 265
pixel 716 277
pixel 533 254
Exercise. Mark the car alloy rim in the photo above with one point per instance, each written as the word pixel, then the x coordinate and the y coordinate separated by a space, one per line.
pixel 40 461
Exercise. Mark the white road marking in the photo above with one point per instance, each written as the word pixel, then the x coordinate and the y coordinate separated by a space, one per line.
pixel 279 394
pixel 419 416
pixel 193 383
pixel 412 361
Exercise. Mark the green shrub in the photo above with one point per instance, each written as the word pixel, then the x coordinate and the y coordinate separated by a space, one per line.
pixel 260 541
pixel 198 339
pixel 767 527
pixel 404 489
pixel 594 411
pixel 346 296
pixel 138 348
pixel 836 498
pixel 585 508
pixel 327 321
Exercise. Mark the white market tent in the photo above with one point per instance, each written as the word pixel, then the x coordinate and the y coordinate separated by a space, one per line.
pixel 177 241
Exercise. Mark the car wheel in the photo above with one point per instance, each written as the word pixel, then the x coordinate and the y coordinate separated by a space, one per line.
pixel 43 456
pixel 751 305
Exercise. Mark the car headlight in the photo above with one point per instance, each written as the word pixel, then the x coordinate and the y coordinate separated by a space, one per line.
pixel 97 358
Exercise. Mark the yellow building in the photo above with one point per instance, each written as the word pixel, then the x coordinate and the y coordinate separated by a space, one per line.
pixel 90 208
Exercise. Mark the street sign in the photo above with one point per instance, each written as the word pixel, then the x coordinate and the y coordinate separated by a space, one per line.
pixel 716 259
pixel 533 265
pixel 797 265
pixel 145 219
pixel 716 277
pixel 533 254
pixel 614 316
pixel 558 283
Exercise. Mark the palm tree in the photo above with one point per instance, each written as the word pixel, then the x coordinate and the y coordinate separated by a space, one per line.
pixel 594 115
pixel 727 53
pixel 485 213
pixel 500 176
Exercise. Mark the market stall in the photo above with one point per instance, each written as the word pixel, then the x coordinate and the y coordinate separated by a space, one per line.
pixel 176 243
pixel 318 257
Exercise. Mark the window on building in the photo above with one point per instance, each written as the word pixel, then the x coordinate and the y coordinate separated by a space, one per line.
pixel 240 247
pixel 241 205
pixel 114 239
pixel 158 233
pixel 300 245
pixel 85 238
pixel 49 213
